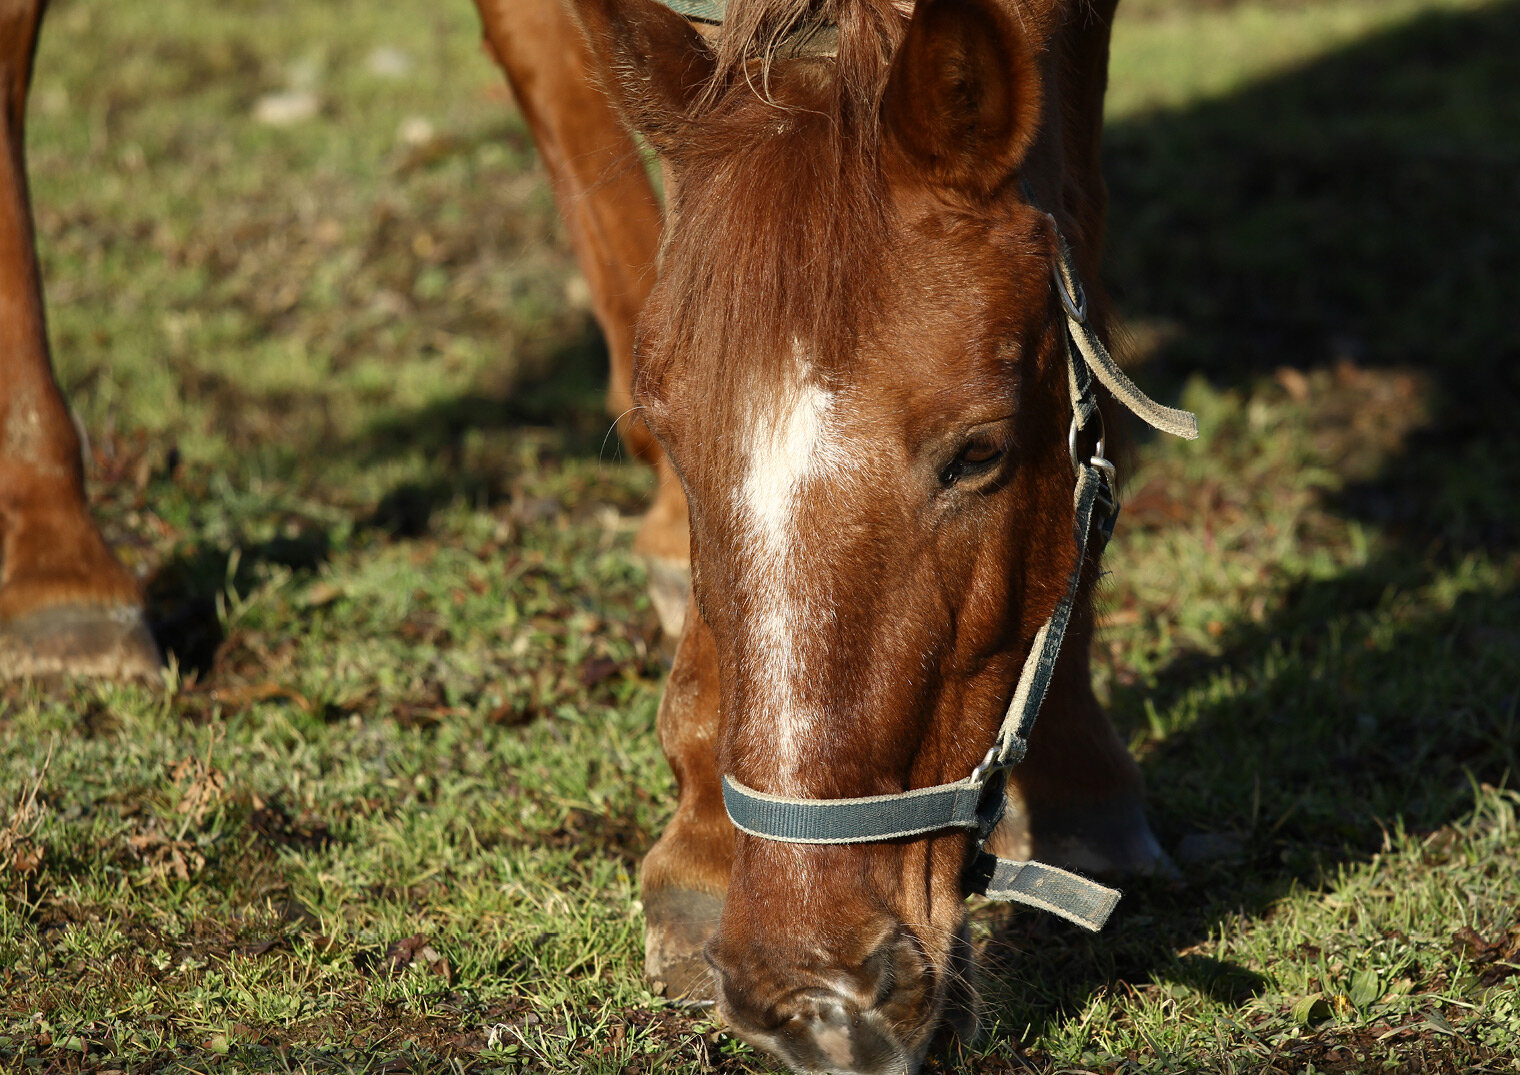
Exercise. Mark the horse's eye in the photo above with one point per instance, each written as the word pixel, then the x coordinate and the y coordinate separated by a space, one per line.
pixel 977 456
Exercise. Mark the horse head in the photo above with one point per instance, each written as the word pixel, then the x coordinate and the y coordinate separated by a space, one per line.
pixel 856 362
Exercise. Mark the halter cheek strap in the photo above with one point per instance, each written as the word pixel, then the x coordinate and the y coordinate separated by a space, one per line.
pixel 977 801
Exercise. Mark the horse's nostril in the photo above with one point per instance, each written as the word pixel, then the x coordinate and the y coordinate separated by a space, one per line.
pixel 833 1014
pixel 840 1037
pixel 867 1016
pixel 882 970
pixel 822 1030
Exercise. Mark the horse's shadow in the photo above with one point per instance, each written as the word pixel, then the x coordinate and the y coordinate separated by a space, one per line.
pixel 1316 751
pixel 555 391
pixel 1358 210
pixel 559 385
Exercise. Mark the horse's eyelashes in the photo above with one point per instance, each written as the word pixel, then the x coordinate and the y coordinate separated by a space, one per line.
pixel 982 450
pixel 977 456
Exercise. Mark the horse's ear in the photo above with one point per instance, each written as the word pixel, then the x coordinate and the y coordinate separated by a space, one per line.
pixel 656 64
pixel 963 95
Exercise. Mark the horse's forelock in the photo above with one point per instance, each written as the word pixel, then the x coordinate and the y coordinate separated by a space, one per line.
pixel 783 216
pixel 754 32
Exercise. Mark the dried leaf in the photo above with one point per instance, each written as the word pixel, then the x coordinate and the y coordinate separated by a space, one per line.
pixel 323 593
pixel 417 950
pixel 28 857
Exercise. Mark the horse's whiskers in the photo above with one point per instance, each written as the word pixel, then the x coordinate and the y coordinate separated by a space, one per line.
pixel 612 429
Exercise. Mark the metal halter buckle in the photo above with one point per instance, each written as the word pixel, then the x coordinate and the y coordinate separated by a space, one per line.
pixel 986 766
pixel 999 756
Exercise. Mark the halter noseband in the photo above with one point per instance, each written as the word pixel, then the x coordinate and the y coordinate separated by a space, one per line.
pixel 977 802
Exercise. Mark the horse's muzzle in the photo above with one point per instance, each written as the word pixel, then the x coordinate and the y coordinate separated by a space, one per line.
pixel 840 1018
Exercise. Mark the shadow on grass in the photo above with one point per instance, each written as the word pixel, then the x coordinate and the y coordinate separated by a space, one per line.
pixel 182 597
pixel 559 388
pixel 557 394
pixel 1357 210
pixel 1305 748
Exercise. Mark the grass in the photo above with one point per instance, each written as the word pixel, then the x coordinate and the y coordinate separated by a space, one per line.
pixel 343 395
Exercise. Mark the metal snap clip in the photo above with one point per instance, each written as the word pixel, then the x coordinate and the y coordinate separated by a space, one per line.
pixel 1098 459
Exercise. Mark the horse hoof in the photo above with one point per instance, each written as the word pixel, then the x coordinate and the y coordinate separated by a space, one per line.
pixel 677 923
pixel 669 590
pixel 79 640
pixel 1106 839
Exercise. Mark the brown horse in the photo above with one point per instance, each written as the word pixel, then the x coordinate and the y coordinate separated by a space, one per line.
pixel 852 372
pixel 855 362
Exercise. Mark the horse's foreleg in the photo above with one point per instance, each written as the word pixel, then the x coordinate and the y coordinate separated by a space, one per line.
pixel 685 874
pixel 66 605
pixel 613 216
pixel 1077 800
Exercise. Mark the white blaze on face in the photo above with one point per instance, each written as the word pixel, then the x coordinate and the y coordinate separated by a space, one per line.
pixel 792 441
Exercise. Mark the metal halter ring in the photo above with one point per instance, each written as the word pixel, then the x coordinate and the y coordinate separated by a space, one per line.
pixel 1098 459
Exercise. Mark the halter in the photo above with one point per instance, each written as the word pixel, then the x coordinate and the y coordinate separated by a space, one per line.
pixel 977 801
pixel 701 10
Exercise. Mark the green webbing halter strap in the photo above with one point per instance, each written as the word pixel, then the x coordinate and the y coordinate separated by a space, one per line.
pixel 977 801
pixel 701 10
